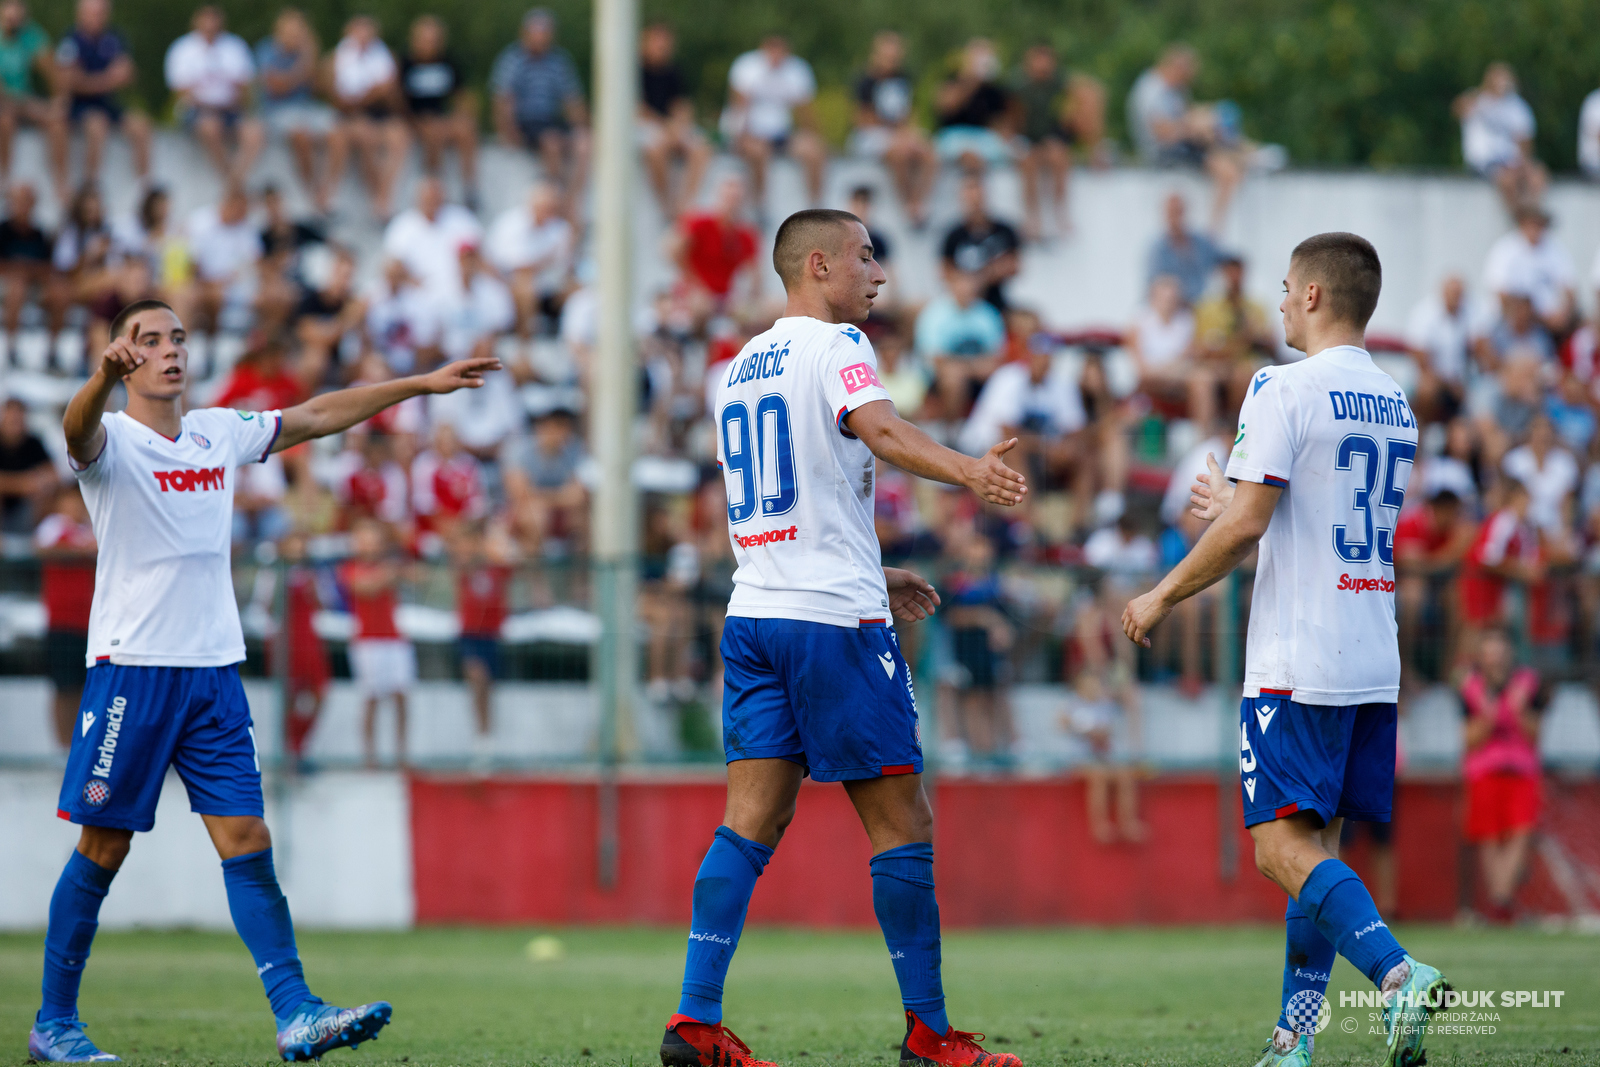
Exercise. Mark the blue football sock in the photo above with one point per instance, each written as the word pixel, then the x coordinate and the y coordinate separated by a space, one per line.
pixel 1307 959
pixel 74 917
pixel 1334 898
pixel 908 912
pixel 261 915
pixel 721 898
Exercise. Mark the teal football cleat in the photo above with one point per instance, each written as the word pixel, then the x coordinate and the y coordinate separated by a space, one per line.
pixel 1298 1056
pixel 316 1028
pixel 63 1041
pixel 1406 1016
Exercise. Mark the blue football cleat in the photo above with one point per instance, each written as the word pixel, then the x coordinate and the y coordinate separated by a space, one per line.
pixel 63 1041
pixel 316 1028
pixel 1406 1016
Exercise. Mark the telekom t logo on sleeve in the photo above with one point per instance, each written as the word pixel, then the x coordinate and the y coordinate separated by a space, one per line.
pixel 858 377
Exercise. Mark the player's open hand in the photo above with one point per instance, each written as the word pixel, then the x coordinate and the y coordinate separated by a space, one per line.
pixel 912 597
pixel 1212 492
pixel 462 374
pixel 995 482
pixel 122 356
pixel 1142 614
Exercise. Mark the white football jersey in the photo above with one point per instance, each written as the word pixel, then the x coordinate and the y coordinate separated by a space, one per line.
pixel 1337 434
pixel 799 483
pixel 163 513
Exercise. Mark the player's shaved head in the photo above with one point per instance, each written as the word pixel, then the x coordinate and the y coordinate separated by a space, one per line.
pixel 812 230
pixel 133 311
pixel 1346 268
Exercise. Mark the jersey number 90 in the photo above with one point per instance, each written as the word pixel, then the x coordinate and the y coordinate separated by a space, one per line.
pixel 1345 540
pixel 761 460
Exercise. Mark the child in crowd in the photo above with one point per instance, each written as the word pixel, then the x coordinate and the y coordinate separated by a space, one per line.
pixel 483 587
pixel 382 661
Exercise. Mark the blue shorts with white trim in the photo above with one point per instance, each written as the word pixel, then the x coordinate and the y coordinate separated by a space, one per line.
pixel 836 700
pixel 1335 760
pixel 135 722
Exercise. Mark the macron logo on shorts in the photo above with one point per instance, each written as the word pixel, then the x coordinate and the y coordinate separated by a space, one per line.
pixel 88 721
pixel 886 661
pixel 190 480
pixel 1264 715
pixel 858 377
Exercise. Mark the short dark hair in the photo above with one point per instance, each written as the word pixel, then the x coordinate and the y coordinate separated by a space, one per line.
pixel 800 234
pixel 1346 267
pixel 136 308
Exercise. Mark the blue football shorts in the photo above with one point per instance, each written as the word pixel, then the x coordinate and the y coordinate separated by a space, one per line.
pixel 836 700
pixel 135 722
pixel 1335 760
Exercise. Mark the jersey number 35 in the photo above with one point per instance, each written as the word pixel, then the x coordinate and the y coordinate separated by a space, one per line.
pixel 1394 494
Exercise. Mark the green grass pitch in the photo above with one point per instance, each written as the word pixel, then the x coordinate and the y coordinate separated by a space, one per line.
pixel 1058 996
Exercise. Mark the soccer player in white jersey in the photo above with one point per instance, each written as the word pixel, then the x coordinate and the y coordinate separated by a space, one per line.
pixel 164 647
pixel 815 682
pixel 1320 462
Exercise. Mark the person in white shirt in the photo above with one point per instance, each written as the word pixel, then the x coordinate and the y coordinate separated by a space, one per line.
pixel 1162 344
pixel 533 246
pixel 770 91
pixel 1589 135
pixel 481 311
pixel 402 319
pixel 163 651
pixel 1529 260
pixel 366 90
pixel 1497 128
pixel 1439 333
pixel 1322 457
pixel 211 71
pixel 225 249
pixel 1550 473
pixel 428 237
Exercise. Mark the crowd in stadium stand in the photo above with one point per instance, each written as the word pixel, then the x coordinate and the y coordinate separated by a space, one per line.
pixel 1503 513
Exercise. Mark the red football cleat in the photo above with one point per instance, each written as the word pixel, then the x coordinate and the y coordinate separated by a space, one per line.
pixel 691 1043
pixel 954 1048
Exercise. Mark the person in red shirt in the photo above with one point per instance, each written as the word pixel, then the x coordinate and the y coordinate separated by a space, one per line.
pixel 377 488
pixel 308 672
pixel 263 380
pixel 716 250
pixel 66 547
pixel 1429 544
pixel 382 661
pixel 1506 549
pixel 483 595
pixel 446 486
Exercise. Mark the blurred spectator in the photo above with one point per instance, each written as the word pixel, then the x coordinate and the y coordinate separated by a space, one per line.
pixel 1506 549
pixel 443 114
pixel 962 337
pixel 210 71
pixel 288 63
pixel 1502 705
pixel 366 90
pixel 308 670
pixel 28 92
pixel 1058 114
pixel 547 497
pixel 981 244
pixel 66 548
pixel 1232 335
pixel 1517 354
pixel 25 254
pixel 1430 543
pixel 1162 343
pixel 226 249
pixel 283 236
pixel 980 636
pixel 861 200
pixel 886 129
pixel 539 104
pixel 427 239
pixel 1122 552
pixel 402 320
pixel 265 379
pixel 1104 712
pixel 769 112
pixel 1185 255
pixel 668 570
pixel 667 128
pixel 382 661
pixel 92 67
pixel 902 374
pixel 716 250
pixel 83 247
pixel 1589 135
pixel 532 247
pixel 1529 260
pixel 149 235
pixel 447 490
pixel 27 477
pixel 329 311
pixel 971 108
pixel 260 492
pixel 1549 471
pixel 1170 130
pixel 483 587
pixel 1439 334
pixel 482 311
pixel 1497 129
pixel 376 489
pixel 1036 400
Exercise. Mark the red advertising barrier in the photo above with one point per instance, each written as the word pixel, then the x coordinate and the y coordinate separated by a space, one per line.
pixel 1008 853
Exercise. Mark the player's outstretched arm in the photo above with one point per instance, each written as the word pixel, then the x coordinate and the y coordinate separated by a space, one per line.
pixel 81 421
pixel 894 440
pixel 1222 548
pixel 337 411
pixel 911 596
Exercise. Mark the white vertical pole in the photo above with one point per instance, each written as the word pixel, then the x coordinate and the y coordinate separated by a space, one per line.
pixel 614 387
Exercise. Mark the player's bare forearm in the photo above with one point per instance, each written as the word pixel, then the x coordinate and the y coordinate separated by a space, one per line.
pixel 337 411
pixel 894 440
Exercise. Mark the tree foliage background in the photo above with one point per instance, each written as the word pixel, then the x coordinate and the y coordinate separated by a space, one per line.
pixel 1339 82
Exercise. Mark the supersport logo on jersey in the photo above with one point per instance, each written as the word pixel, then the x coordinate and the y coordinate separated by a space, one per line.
pixel 190 480
pixel 767 538
pixel 1365 585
